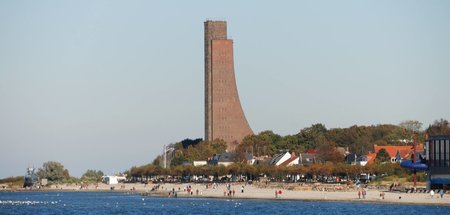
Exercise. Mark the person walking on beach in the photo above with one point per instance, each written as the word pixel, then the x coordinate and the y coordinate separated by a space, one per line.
pixel 359 194
pixel 276 193
pixel 382 195
pixel 242 189
pixel 441 193
pixel 431 193
pixel 364 193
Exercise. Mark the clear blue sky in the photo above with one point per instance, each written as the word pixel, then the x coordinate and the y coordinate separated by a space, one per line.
pixel 104 84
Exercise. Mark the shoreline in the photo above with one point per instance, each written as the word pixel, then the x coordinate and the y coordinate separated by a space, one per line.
pixel 253 192
pixel 313 200
pixel 354 200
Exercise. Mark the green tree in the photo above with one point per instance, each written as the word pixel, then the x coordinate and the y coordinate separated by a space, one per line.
pixel 178 160
pixel 313 136
pixel 219 146
pixel 53 171
pixel 439 127
pixel 92 176
pixel 383 156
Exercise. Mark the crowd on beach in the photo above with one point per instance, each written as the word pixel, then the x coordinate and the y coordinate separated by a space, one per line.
pixel 284 191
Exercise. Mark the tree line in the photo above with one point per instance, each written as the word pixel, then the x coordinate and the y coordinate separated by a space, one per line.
pixel 358 139
pixel 242 171
pixel 55 173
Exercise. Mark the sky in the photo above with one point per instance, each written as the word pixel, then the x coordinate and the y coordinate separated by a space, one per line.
pixel 105 84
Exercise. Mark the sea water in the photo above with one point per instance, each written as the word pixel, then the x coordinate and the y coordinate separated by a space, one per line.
pixel 123 203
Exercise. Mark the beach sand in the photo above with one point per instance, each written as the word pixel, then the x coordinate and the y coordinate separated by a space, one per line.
pixel 253 192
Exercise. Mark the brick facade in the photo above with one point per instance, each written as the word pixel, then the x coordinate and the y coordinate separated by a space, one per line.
pixel 224 117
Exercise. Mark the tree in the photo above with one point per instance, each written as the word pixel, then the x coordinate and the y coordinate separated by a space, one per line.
pixel 66 174
pixel 178 160
pixel 53 171
pixel 188 142
pixel 383 156
pixel 219 146
pixel 327 152
pixel 313 136
pixel 92 176
pixel 411 125
pixel 441 127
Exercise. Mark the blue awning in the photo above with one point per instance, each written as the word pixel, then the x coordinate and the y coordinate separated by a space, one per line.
pixel 410 165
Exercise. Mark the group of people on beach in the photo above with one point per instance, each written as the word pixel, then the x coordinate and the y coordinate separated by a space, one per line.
pixel 441 193
pixel 229 192
pixel 278 193
pixel 363 193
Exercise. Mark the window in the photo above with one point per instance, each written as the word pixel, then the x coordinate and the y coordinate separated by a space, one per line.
pixel 441 153
pixel 447 153
pixel 433 154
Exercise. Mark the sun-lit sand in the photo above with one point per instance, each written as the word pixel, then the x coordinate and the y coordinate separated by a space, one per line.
pixel 251 191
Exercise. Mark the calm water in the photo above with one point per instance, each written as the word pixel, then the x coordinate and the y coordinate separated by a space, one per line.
pixel 122 203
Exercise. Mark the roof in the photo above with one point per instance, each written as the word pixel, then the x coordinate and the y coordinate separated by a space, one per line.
pixel 405 154
pixel 224 157
pixel 277 157
pixel 392 150
pixel 311 151
pixel 370 157
pixel 289 161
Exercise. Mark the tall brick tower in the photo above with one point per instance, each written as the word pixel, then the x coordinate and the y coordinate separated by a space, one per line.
pixel 224 117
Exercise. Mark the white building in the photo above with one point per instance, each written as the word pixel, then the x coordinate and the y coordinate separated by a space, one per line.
pixel 112 179
pixel 280 158
pixel 199 163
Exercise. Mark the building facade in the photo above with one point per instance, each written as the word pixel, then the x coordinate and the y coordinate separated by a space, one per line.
pixel 224 117
pixel 438 157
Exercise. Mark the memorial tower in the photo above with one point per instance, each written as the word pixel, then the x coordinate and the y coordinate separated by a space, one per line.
pixel 224 117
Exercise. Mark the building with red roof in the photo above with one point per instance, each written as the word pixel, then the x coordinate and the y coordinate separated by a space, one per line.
pixel 398 153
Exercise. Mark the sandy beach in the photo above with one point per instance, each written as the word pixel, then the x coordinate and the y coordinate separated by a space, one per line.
pixel 256 191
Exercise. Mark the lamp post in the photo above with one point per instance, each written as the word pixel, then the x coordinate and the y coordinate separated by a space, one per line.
pixel 414 159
